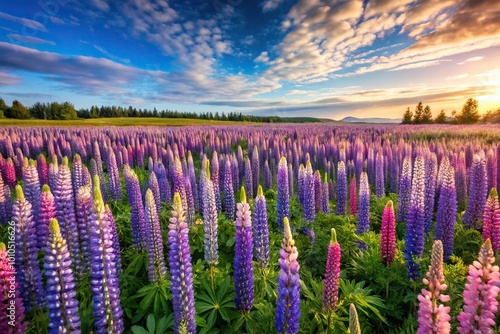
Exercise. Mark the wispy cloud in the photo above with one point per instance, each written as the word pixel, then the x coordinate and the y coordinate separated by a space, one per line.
pixel 29 39
pixel 8 80
pixel 25 22
pixel 417 65
pixel 468 60
pixel 459 76
pixel 111 56
pixel 269 5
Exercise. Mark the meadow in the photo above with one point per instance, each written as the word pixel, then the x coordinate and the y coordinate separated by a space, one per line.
pixel 232 228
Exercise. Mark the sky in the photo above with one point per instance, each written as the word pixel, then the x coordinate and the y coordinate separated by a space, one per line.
pixel 320 58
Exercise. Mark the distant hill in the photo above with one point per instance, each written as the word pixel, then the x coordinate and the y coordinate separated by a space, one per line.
pixel 377 120
pixel 302 120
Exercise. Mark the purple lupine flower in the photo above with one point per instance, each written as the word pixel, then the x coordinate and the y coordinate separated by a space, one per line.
pixel 405 183
pixel 134 197
pixel 229 202
pixel 491 220
pixel 388 234
pixel 325 200
pixel 163 183
pixel 432 316
pixel 261 230
pixel 446 215
pixel 7 282
pixel 107 311
pixel 236 172
pixel 300 183
pixel 47 212
pixel 309 199
pixel 480 295
pixel 5 210
pixel 65 213
pixel 491 168
pixel 155 189
pixel 77 173
pixel 114 177
pixel 156 269
pixel 181 271
pixel 290 179
pixel 210 221
pixel 414 239
pixel 461 181
pixel 255 170
pixel 353 198
pixel 318 191
pixel 205 163
pixel 248 176
pixel 190 201
pixel 9 173
pixel 430 190
pixel 341 189
pixel 363 208
pixel 178 180
pixel 61 292
pixel 268 177
pixel 26 256
pixel 243 249
pixel 114 238
pixel 379 175
pixel 214 176
pixel 192 178
pixel 84 206
pixel 283 200
pixel 31 187
pixel 288 306
pixel 43 169
pixel 332 274
pixel 477 192
pixel 53 172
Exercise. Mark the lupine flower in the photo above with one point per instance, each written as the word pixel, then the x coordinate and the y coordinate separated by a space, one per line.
pixel 43 169
pixel 288 308
pixel 432 316
pixel 477 192
pixel 248 176
pixel 134 197
pixel 5 211
pixel 491 220
pixel 388 234
pixel 107 310
pixel 155 190
pixel 178 180
pixel 192 178
pixel 318 191
pixel 47 212
pixel 430 190
pixel 9 173
pixel 341 189
pixel 353 205
pixel 229 202
pixel 491 168
pixel 290 179
pixel 77 174
pixel 236 172
pixel 181 272
pixel 379 175
pixel 114 237
pixel 163 184
pixel 32 188
pixel 364 207
pixel 414 239
pixel 28 273
pixel 214 170
pixel 156 269
pixel 446 215
pixel 54 171
pixel 7 279
pixel 84 207
pixel 332 274
pixel 61 293
pixel 268 177
pixel 210 222
pixel 100 173
pixel 65 213
pixel 261 230
pixel 309 198
pixel 354 327
pixel 325 200
pixel 404 190
pixel 255 170
pixel 114 177
pixel 300 184
pixel 480 295
pixel 461 180
pixel 243 249
pixel 283 200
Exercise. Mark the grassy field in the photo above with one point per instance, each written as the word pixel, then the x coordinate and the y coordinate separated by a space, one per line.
pixel 126 121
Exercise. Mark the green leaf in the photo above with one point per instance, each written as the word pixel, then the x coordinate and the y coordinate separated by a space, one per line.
pixel 162 325
pixel 139 330
pixel 151 323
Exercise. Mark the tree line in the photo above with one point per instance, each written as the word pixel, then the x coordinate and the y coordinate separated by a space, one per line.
pixel 468 115
pixel 66 111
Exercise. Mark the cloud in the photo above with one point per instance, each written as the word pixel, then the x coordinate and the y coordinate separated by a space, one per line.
pixel 25 22
pixel 459 76
pixel 417 65
pixel 28 95
pixel 262 58
pixel 8 80
pixel 478 58
pixel 56 20
pixel 101 4
pixel 270 5
pixel 109 55
pixel 29 39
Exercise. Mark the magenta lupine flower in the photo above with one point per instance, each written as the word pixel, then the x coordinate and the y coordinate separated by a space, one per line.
pixel 388 234
pixel 5 210
pixel 107 310
pixel 243 249
pixel 318 191
pixel 414 238
pixel 446 215
pixel 332 274
pixel 404 190
pixel 248 176
pixel 364 207
pixel 9 173
pixel 491 168
pixel 353 197
pixel 7 284
pixel 288 307
pixel 379 175
pixel 47 212
pixel 283 200
pixel 325 199
pixel 134 197
pixel 43 169
pixel 261 230
pixel 309 197
pixel 491 220
pixel 26 256
pixel 181 271
pixel 156 269
pixel 61 292
pixel 430 190
pixel 480 295
pixel 214 176
pixel 84 207
pixel 210 221
pixel 434 317
pixel 229 201
pixel 341 189
pixel 477 191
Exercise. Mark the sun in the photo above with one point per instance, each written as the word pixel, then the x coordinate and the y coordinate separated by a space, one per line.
pixel 490 99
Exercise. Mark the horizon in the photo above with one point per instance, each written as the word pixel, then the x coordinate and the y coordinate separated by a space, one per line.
pixel 316 58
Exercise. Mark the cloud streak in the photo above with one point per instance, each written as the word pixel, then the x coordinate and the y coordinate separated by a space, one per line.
pixel 23 21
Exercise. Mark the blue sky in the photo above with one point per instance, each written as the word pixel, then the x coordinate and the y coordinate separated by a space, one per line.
pixel 324 58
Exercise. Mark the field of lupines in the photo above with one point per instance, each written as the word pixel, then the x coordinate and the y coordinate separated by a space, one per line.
pixel 250 229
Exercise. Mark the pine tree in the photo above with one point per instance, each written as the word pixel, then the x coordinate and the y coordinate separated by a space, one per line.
pixel 427 115
pixel 419 113
pixel 469 114
pixel 407 116
pixel 440 118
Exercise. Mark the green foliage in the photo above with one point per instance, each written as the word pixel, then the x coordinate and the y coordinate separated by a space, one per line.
pixel 470 113
pixel 17 111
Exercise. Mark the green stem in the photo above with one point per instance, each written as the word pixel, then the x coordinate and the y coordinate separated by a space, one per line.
pixel 328 331
pixel 212 272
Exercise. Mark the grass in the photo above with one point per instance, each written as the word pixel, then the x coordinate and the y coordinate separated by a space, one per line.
pixel 125 121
